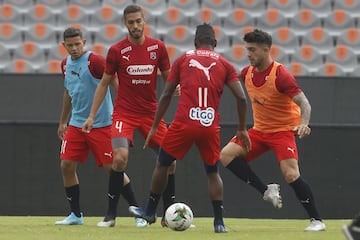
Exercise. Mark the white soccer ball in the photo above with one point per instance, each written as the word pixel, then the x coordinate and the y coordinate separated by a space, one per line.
pixel 179 216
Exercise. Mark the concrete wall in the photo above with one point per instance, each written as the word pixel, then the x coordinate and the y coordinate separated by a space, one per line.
pixel 31 178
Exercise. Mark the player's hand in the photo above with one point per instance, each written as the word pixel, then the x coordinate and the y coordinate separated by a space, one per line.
pixel 61 130
pixel 302 130
pixel 243 137
pixel 177 91
pixel 149 137
pixel 88 125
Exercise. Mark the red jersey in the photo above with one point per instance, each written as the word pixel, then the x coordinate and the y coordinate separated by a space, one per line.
pixel 136 67
pixel 96 65
pixel 202 74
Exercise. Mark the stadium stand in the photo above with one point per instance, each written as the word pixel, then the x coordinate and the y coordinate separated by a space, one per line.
pixel 190 7
pixel 237 56
pixel 73 14
pixel 156 7
pixel 181 36
pixel 299 69
pixel 236 19
pixel 320 38
pixel 352 6
pixel 330 70
pixel 11 14
pixel 32 52
pixel 172 16
pixel 351 38
pixel 5 56
pixel 337 20
pixel 44 34
pixel 279 55
pixel 149 30
pixel 355 72
pixel 255 7
pixel 106 14
pixel 223 40
pixel 206 15
pixel 89 5
pixel 23 5
pixel 304 20
pixel 40 13
pixel 98 48
pixel 288 7
pixel 118 4
pixel 221 7
pixel 271 20
pixel 19 66
pixel 109 34
pixel 58 52
pixel 286 38
pixel 50 66
pixel 344 56
pixel 308 55
pixel 238 37
pixel 173 52
pixel 11 35
pixel 321 7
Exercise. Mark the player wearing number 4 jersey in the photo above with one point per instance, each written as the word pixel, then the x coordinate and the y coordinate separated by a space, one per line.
pixel 202 74
pixel 136 60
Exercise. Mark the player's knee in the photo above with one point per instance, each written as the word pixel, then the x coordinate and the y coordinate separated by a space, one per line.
pixel 291 176
pixel 165 159
pixel 212 169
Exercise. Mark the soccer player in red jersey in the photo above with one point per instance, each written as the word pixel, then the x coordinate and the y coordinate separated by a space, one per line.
pixel 280 112
pixel 135 59
pixel 202 74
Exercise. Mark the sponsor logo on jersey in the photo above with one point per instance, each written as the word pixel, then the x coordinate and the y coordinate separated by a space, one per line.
pixel 125 50
pixel 140 69
pixel 140 81
pixel 153 47
pixel 205 116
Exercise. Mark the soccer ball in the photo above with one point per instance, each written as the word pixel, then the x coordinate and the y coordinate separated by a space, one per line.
pixel 179 216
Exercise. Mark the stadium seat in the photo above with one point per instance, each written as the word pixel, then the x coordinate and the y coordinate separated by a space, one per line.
pixel 255 8
pixel 98 48
pixel 23 5
pixel 319 38
pixel 181 36
pixel 206 15
pixel 279 55
pixel 173 16
pixel 50 66
pixel 11 14
pixel 355 72
pixel 173 52
pixel 109 34
pixel 150 17
pixel 57 52
pixel 286 38
pixel 42 33
pixel 237 55
pixel 288 7
pixel 344 56
pixel 351 38
pixel 11 35
pixel 308 55
pixel 106 14
pixel 304 20
pixel 32 52
pixel 236 19
pixel 19 66
pixel 271 20
pixel 40 13
pixel 339 19
pixel 321 7
pixel 157 7
pixel 189 7
pixel 330 70
pixel 73 14
pixel 299 69
pixel 352 6
pixel 89 5
pixel 239 34
pixel 221 7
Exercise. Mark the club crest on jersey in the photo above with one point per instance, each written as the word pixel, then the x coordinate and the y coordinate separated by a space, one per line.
pixel 153 55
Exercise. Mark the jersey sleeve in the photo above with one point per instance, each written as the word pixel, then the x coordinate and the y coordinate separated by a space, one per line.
pixel 232 75
pixel 243 73
pixel 96 65
pixel 164 60
pixel 111 62
pixel 62 66
pixel 286 82
pixel 174 75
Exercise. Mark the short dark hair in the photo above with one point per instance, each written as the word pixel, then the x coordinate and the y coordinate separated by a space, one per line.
pixel 133 8
pixel 205 34
pixel 259 37
pixel 72 32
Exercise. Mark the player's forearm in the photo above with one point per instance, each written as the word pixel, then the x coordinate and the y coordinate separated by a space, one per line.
pixel 241 110
pixel 66 109
pixel 305 107
pixel 164 103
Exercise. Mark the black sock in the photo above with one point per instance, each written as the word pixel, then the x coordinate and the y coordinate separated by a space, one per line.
pixel 306 198
pixel 116 181
pixel 356 221
pixel 73 196
pixel 129 195
pixel 218 209
pixel 168 195
pixel 243 171
pixel 152 203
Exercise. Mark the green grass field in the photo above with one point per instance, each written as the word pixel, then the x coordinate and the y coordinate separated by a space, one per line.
pixel 43 228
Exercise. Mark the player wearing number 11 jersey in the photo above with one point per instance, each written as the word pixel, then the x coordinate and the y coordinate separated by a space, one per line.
pixel 202 74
